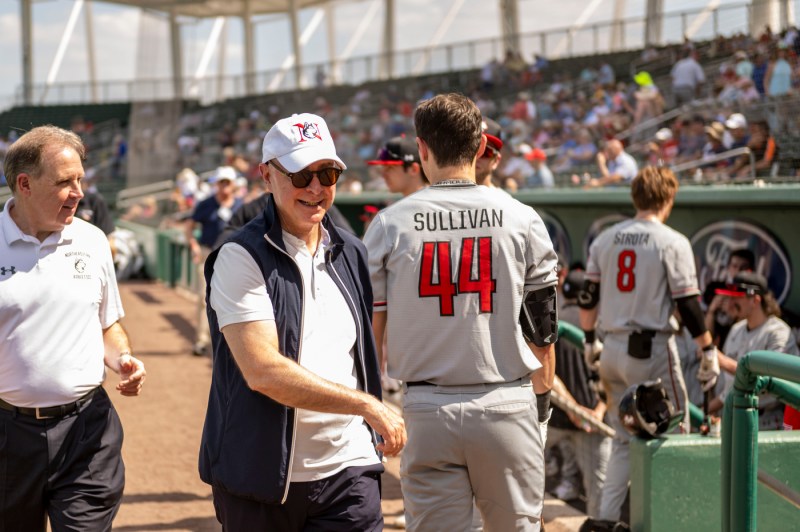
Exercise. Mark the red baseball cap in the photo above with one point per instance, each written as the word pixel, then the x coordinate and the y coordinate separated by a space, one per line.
pixel 745 284
pixel 493 133
pixel 536 154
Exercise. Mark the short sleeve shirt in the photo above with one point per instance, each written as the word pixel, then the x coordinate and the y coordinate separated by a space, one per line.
pixel 450 264
pixel 642 267
pixel 56 298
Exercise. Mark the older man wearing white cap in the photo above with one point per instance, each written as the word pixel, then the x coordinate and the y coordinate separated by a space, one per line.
pixel 295 424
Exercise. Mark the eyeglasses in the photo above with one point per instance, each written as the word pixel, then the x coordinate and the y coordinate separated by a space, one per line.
pixel 327 176
pixel 489 153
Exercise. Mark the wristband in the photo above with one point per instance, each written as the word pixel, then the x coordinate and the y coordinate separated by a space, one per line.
pixel 588 336
pixel 543 405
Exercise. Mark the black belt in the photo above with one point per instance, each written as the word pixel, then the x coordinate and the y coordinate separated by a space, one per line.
pixel 49 412
pixel 420 383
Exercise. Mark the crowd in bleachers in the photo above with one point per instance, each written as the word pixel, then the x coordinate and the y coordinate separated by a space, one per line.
pixel 569 118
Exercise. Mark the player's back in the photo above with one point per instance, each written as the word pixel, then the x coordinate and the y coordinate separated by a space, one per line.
pixel 456 260
pixel 642 266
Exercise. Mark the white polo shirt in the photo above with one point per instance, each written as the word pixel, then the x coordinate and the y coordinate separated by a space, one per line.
pixel 324 443
pixel 56 297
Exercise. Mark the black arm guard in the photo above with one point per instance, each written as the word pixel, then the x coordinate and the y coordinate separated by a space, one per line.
pixel 543 405
pixel 539 316
pixel 691 315
pixel 589 295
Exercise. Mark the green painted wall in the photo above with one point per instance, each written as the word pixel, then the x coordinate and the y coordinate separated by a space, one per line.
pixel 675 483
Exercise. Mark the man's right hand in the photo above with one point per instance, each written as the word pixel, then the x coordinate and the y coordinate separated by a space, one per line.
pixel 389 425
pixel 591 354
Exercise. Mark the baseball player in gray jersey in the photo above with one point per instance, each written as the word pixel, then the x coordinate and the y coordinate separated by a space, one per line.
pixel 760 328
pixel 638 270
pixel 464 279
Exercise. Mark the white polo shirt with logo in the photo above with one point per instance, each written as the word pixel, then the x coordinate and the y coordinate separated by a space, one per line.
pixel 56 297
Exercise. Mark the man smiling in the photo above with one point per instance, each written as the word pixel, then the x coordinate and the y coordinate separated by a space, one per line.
pixel 291 438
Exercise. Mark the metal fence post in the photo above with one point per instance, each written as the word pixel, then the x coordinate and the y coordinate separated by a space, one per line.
pixel 745 457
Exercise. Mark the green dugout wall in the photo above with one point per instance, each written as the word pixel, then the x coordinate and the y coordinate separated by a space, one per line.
pixel 717 219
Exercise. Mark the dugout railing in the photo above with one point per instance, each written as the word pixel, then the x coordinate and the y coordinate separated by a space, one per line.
pixel 757 371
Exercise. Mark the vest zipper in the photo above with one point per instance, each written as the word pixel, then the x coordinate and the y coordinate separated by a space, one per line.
pixel 299 350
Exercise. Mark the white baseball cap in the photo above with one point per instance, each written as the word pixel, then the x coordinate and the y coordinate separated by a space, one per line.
pixel 736 121
pixel 299 141
pixel 664 134
pixel 222 173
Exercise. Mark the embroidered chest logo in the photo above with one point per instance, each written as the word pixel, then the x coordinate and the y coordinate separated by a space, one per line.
pixel 80 265
pixel 8 270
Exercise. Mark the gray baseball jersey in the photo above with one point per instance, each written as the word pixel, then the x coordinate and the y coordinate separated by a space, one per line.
pixel 449 264
pixel 773 335
pixel 644 266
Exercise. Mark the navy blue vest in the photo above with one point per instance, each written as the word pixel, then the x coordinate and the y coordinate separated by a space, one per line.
pixel 247 437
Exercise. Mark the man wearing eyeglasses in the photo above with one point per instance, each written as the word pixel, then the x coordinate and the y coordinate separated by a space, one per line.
pixel 294 423
pixel 460 273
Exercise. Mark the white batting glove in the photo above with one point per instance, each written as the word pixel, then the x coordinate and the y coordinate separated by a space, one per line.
pixel 708 372
pixel 591 354
pixel 543 427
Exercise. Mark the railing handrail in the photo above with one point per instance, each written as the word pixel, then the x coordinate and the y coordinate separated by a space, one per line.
pixel 744 150
pixel 128 196
pixel 756 371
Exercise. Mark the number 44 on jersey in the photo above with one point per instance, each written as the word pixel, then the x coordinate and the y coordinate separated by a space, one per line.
pixel 437 260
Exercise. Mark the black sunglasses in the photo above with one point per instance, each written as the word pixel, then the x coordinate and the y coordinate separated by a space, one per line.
pixel 327 176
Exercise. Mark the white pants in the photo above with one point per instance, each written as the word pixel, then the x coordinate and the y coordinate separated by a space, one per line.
pixel 591 452
pixel 478 441
pixel 619 371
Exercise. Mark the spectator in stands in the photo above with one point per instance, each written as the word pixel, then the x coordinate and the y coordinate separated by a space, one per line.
pixel 211 214
pixel 778 79
pixel 663 149
pixel 764 149
pixel 717 320
pixel 606 75
pixel 747 92
pixel 523 108
pixel 760 328
pixel 759 72
pixel 616 166
pixel 692 138
pixel 400 165
pixel 649 101
pixel 743 66
pixel 687 78
pixel 736 134
pixel 542 176
pixel 517 167
pixel 714 146
pixel 486 164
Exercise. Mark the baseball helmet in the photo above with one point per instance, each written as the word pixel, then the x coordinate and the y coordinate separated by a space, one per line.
pixel 646 411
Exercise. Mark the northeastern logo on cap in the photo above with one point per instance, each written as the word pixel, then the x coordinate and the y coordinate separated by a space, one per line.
pixel 308 131
pixel 713 244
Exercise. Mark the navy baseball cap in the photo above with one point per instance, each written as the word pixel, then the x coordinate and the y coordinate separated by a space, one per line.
pixel 397 151
pixel 745 284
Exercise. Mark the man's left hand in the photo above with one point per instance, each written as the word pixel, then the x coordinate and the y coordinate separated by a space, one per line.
pixel 132 374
